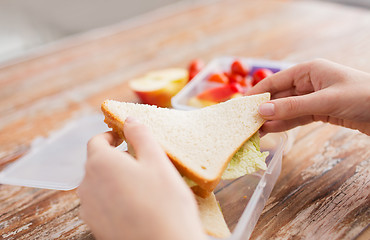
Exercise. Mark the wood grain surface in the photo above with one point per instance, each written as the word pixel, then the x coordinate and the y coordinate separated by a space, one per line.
pixel 323 190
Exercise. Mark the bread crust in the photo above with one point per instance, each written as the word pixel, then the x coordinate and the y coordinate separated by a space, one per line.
pixel 205 186
pixel 197 190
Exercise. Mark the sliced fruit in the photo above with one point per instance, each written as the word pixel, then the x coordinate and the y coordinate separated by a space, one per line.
pixel 236 87
pixel 236 95
pixel 221 93
pixel 235 78
pixel 260 74
pixel 158 87
pixel 195 67
pixel 237 67
pixel 199 103
pixel 218 77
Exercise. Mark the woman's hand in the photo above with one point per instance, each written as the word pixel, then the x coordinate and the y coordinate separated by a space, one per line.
pixel 123 197
pixel 316 91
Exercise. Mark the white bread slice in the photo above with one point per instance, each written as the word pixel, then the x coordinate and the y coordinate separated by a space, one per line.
pixel 211 217
pixel 200 143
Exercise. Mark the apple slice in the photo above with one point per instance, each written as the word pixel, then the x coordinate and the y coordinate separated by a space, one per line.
pixel 158 87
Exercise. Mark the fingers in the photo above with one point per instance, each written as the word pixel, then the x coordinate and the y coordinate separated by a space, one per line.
pixel 145 146
pixel 283 125
pixel 107 139
pixel 282 81
pixel 316 103
pixel 285 93
pixel 102 156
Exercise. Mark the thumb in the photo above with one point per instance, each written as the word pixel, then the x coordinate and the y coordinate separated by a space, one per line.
pixel 295 106
pixel 143 143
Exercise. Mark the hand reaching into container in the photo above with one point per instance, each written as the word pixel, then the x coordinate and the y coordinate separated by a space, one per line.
pixel 123 197
pixel 316 91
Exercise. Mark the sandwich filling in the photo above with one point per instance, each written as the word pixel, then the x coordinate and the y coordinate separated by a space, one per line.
pixel 248 159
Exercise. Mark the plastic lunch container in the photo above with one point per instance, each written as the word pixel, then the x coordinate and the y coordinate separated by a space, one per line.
pixel 243 199
pixel 221 64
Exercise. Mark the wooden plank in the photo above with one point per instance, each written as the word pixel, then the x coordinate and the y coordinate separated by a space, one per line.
pixel 327 193
pixel 323 190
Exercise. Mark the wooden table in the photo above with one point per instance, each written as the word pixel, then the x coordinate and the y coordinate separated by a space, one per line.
pixel 323 190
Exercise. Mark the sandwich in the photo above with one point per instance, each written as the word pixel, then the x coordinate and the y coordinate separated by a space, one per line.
pixel 205 145
pixel 210 214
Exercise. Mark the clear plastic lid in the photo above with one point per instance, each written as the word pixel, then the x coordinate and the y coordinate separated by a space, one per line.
pixel 56 162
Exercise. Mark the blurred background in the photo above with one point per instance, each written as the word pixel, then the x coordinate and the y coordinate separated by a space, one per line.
pixel 26 25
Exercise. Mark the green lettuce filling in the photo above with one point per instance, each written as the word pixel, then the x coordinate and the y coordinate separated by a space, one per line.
pixel 248 159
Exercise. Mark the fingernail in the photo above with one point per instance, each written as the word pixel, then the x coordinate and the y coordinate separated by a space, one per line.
pixel 267 109
pixel 131 120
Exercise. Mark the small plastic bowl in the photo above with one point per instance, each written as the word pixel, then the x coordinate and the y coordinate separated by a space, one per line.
pixel 200 81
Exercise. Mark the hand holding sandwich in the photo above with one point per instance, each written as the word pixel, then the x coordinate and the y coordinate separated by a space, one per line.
pixel 121 197
pixel 316 91
pixel 146 196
